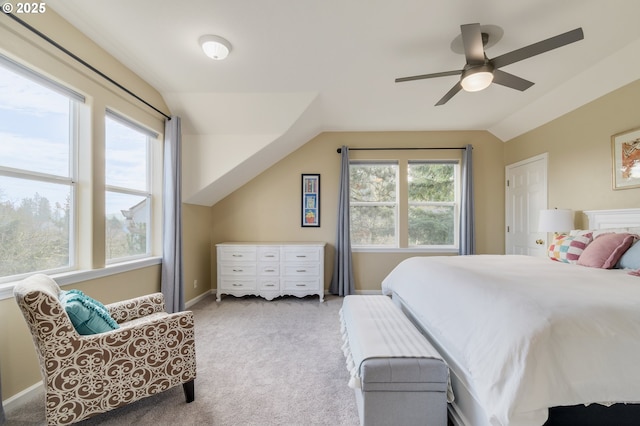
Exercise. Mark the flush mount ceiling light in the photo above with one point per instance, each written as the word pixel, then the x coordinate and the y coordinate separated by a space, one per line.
pixel 477 78
pixel 215 47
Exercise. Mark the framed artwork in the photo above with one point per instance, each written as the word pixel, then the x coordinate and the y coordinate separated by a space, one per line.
pixel 310 200
pixel 625 149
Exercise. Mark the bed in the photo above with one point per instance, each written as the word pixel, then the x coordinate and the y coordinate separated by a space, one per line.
pixel 526 338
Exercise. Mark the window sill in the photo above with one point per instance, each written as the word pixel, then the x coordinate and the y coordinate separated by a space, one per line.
pixel 73 277
pixel 404 250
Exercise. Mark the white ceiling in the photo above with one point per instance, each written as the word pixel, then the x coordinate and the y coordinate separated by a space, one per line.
pixel 345 55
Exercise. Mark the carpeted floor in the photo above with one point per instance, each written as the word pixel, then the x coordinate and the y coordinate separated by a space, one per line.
pixel 259 363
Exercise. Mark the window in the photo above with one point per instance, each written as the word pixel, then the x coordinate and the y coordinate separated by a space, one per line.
pixel 432 203
pixel 421 214
pixel 38 140
pixel 374 203
pixel 128 193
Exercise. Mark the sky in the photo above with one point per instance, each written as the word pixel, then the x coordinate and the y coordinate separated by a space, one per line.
pixel 34 135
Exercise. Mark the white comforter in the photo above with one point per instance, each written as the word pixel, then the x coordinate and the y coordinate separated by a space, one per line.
pixel 531 333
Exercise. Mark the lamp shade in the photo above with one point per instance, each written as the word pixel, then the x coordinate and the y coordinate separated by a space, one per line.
pixel 555 220
pixel 215 47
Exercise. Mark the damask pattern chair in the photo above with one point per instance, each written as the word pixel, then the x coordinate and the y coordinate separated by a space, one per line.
pixel 84 375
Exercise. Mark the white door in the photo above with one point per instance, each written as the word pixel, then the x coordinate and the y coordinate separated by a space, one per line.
pixel 526 195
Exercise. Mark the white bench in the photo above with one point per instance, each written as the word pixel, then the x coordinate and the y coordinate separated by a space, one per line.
pixel 398 376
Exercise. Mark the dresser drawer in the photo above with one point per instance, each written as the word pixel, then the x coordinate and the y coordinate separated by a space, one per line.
pixel 237 254
pixel 268 269
pixel 237 269
pixel 269 254
pixel 301 254
pixel 301 283
pixel 237 284
pixel 269 283
pixel 301 269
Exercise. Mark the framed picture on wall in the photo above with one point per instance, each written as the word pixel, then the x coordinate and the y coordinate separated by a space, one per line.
pixel 625 149
pixel 311 200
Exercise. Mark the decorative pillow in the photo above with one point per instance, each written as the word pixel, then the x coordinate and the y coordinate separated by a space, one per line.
pixel 605 250
pixel 631 258
pixel 87 315
pixel 568 249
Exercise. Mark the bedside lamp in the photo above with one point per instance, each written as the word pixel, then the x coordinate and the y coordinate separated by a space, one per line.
pixel 555 220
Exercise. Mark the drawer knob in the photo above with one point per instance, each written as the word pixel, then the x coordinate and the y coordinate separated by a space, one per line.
pixel 237 285
pixel 237 270
pixel 301 285
pixel 301 255
pixel 301 270
pixel 269 270
pixel 236 255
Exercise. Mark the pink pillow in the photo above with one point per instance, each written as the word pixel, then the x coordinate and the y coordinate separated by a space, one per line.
pixel 605 250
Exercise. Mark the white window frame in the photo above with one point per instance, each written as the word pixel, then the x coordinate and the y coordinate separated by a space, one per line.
pixel 455 204
pixel 395 204
pixel 147 194
pixel 402 209
pixel 75 99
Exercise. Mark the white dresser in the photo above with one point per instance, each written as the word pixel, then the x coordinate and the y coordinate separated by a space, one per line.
pixel 270 270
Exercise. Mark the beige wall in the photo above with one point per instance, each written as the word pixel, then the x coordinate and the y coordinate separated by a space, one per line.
pixel 268 207
pixel 579 147
pixel 196 240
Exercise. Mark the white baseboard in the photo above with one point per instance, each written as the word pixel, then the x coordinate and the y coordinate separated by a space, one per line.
pixel 28 392
pixel 198 298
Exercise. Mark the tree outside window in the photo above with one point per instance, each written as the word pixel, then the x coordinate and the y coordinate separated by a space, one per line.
pixel 432 204
pixel 374 205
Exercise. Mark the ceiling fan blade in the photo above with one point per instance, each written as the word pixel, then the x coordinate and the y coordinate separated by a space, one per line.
pixel 538 48
pixel 423 76
pixel 510 80
pixel 472 42
pixel 450 94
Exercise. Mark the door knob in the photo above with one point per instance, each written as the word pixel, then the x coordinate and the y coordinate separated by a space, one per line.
pixel 539 242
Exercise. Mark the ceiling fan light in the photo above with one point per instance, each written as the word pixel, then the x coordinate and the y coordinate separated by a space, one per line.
pixel 215 47
pixel 476 81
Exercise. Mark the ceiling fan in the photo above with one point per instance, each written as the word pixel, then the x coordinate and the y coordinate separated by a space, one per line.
pixel 479 71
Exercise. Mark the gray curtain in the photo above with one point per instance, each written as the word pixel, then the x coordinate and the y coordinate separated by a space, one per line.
pixel 342 282
pixel 172 276
pixel 467 221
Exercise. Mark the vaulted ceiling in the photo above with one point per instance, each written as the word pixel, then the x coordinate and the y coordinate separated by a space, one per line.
pixel 298 67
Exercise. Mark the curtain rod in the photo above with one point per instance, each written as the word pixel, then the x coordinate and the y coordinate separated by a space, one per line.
pixel 339 150
pixel 83 62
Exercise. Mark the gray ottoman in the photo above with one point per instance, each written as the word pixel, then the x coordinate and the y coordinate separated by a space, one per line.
pixel 398 377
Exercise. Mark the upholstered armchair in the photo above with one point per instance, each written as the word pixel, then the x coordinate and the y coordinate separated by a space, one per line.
pixel 84 375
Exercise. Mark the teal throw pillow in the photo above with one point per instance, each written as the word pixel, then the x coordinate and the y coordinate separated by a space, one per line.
pixel 87 315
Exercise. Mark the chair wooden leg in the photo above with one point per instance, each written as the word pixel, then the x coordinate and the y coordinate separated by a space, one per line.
pixel 189 391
